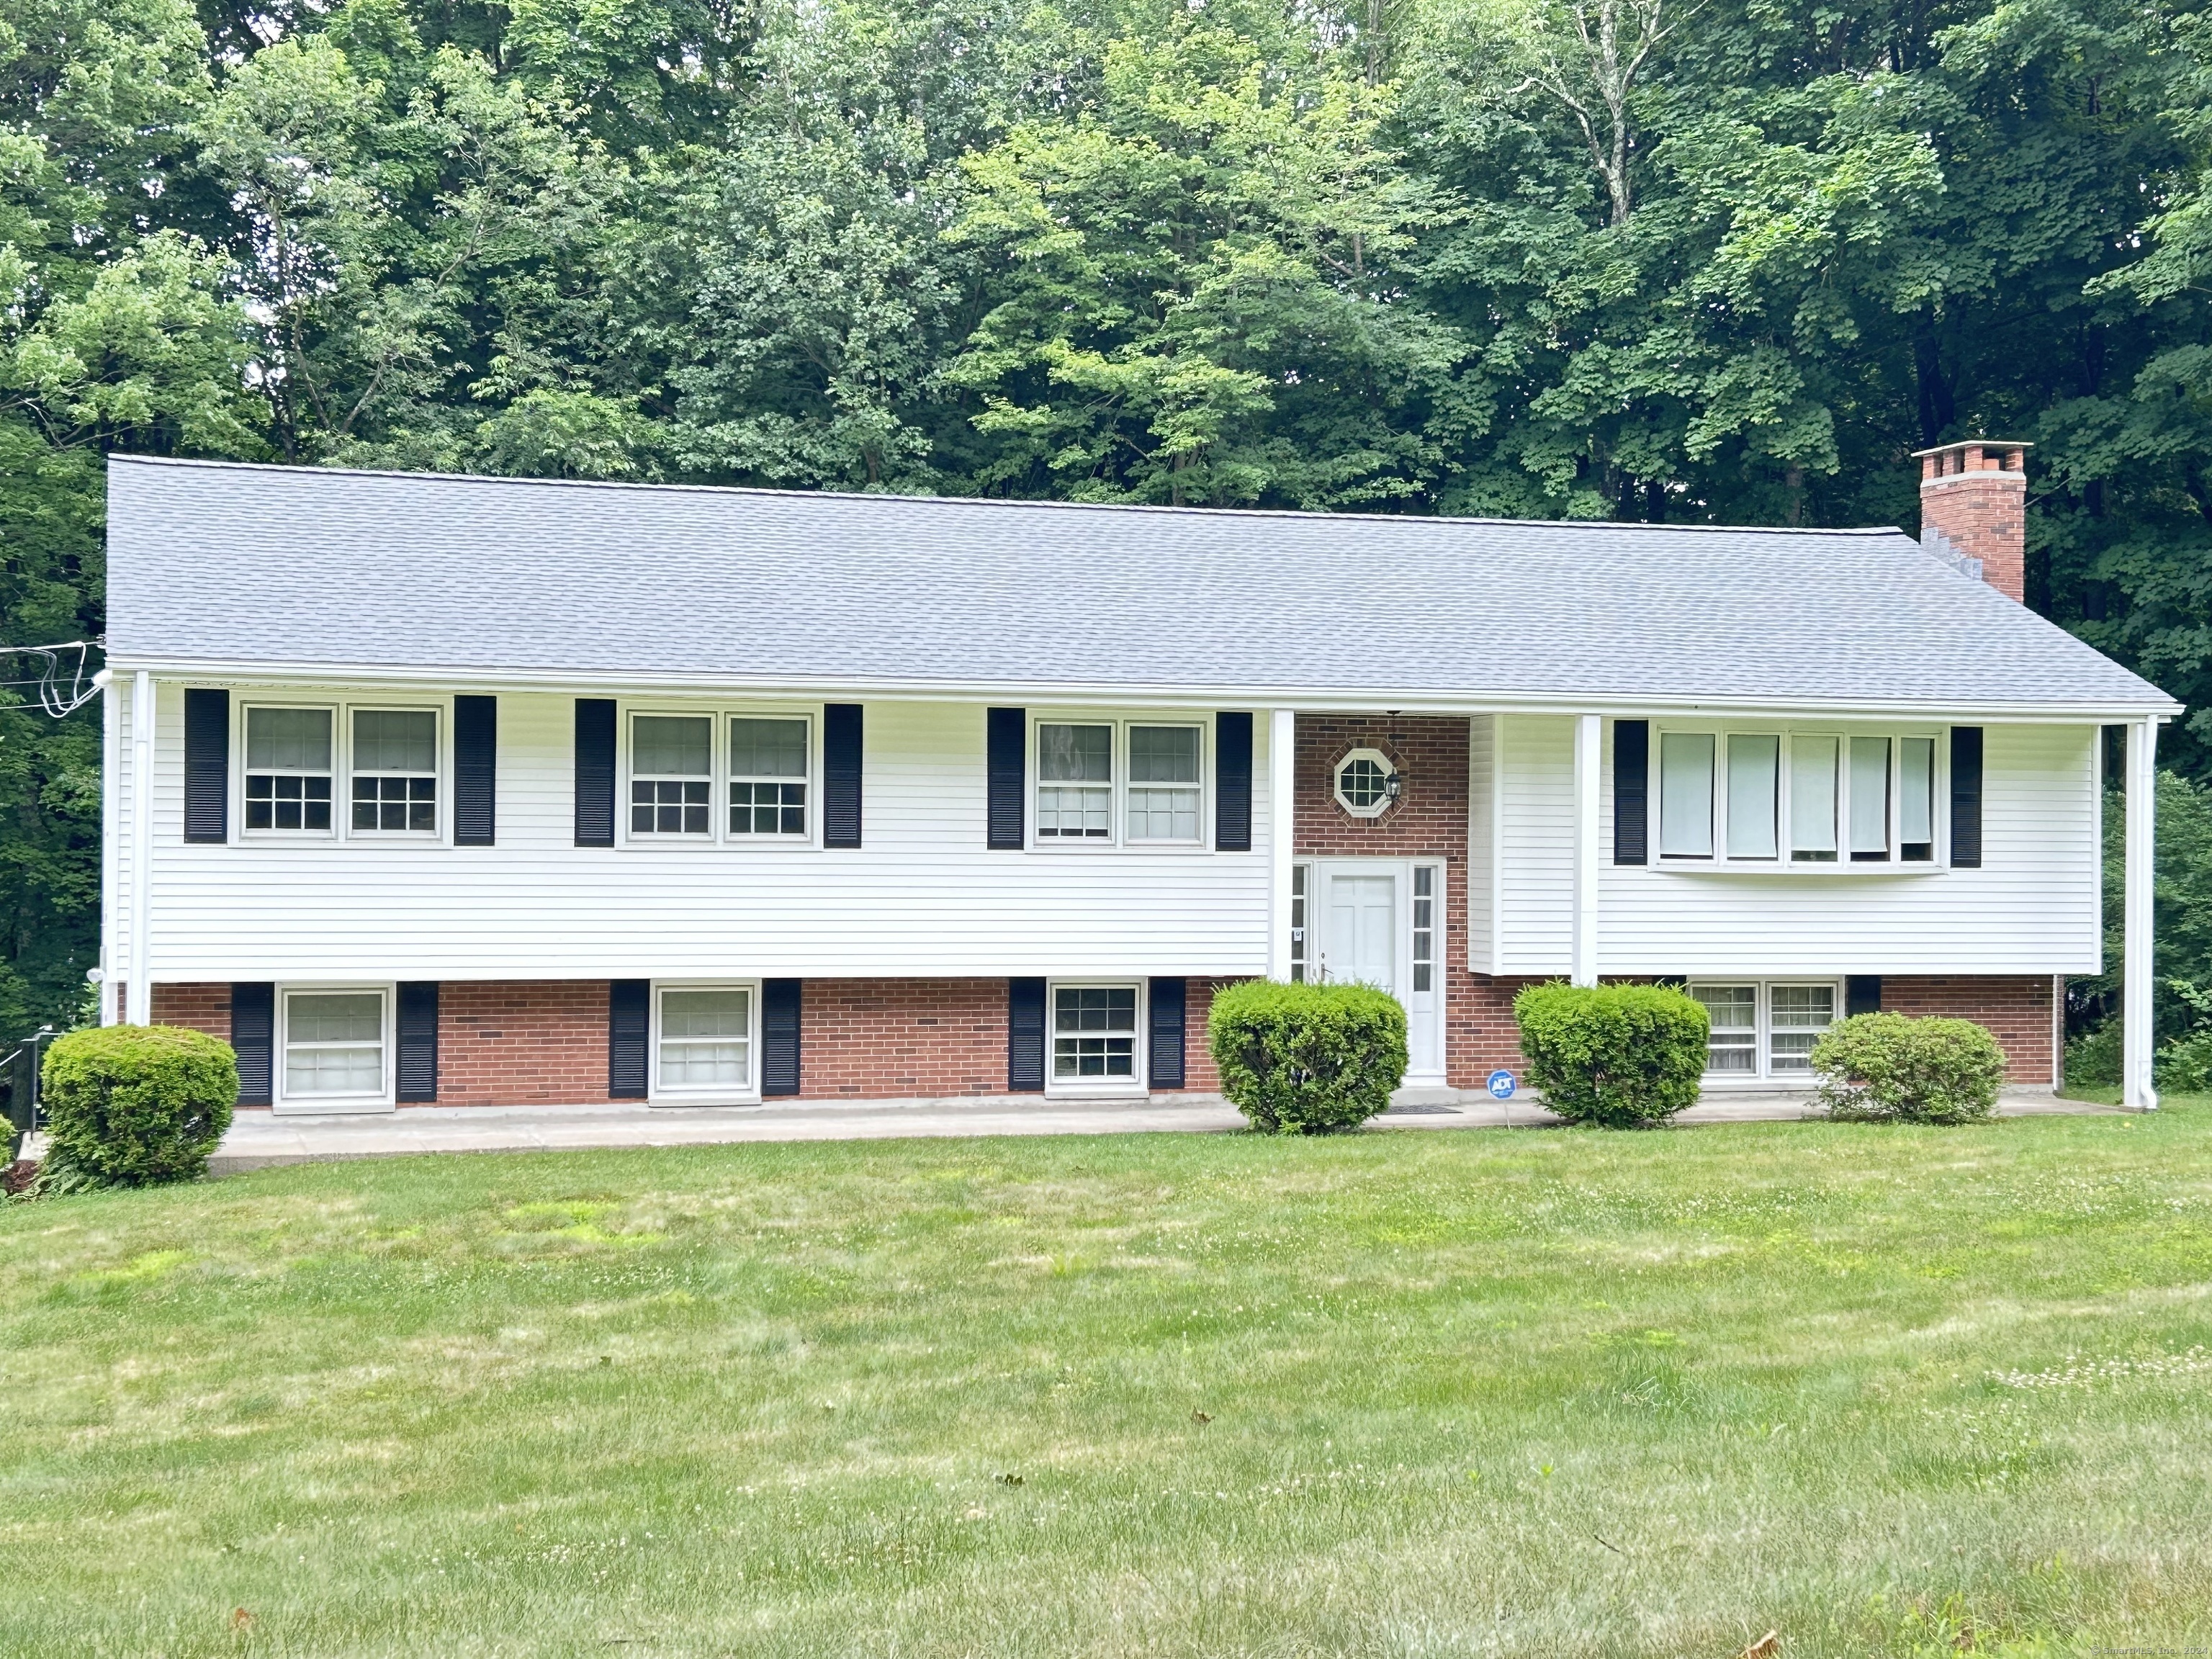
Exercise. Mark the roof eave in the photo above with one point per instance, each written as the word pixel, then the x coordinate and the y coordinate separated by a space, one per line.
pixel 1395 699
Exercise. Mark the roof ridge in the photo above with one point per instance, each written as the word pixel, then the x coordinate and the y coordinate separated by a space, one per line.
pixel 1300 514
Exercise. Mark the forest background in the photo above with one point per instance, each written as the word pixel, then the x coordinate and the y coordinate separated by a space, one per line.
pixel 1727 261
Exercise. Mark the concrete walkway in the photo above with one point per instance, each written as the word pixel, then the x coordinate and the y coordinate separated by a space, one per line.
pixel 260 1138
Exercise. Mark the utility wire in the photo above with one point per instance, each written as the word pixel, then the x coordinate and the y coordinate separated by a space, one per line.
pixel 64 686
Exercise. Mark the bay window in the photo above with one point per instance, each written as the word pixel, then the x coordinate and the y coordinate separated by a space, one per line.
pixel 1754 799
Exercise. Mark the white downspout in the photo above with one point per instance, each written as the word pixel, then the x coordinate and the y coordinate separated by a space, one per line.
pixel 111 841
pixel 141 1010
pixel 2135 1036
pixel 1282 819
pixel 1589 734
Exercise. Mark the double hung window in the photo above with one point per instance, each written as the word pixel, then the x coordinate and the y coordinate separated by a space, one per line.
pixel 759 767
pixel 1142 782
pixel 1800 799
pixel 704 1040
pixel 395 771
pixel 671 766
pixel 341 769
pixel 768 777
pixel 334 1046
pixel 1765 1029
pixel 288 762
pixel 1075 782
pixel 1094 1035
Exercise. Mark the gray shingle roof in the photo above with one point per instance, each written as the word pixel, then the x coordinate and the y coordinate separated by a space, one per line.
pixel 308 566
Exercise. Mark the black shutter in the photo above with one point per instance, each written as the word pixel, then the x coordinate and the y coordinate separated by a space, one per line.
pixel 207 764
pixel 1008 738
pixel 253 1034
pixel 418 1040
pixel 779 1004
pixel 840 774
pixel 1966 797
pixel 595 773
pixel 476 771
pixel 1861 993
pixel 1024 1035
pixel 1166 999
pixel 1233 783
pixel 628 1017
pixel 1631 791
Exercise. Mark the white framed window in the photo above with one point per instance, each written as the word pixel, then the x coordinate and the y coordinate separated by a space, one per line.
pixel 394 772
pixel 718 776
pixel 1118 782
pixel 1166 795
pixel 1765 1029
pixel 769 775
pixel 1300 879
pixel 1075 780
pixel 672 776
pixel 1366 781
pixel 1799 800
pixel 1093 1041
pixel 290 760
pixel 334 1048
pixel 705 1041
pixel 1423 939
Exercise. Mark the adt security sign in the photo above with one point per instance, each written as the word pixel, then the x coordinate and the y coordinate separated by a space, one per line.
pixel 1501 1085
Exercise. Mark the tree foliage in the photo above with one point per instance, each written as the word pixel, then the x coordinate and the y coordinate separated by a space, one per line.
pixel 1704 260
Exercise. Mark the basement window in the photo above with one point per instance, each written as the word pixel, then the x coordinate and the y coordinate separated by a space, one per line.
pixel 1764 1029
pixel 1094 1036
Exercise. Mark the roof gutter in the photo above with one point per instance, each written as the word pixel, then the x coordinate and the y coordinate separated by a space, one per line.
pixel 1049 693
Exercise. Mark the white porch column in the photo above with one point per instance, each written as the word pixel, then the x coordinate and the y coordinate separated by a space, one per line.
pixel 141 1011
pixel 1589 734
pixel 2135 1090
pixel 1282 823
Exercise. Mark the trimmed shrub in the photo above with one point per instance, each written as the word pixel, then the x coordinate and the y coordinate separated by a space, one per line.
pixel 1891 1068
pixel 135 1105
pixel 1623 1056
pixel 1307 1058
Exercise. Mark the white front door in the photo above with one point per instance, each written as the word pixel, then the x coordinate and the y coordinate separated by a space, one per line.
pixel 1378 922
pixel 1362 930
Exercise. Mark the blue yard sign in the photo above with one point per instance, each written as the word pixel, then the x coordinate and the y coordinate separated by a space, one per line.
pixel 1501 1085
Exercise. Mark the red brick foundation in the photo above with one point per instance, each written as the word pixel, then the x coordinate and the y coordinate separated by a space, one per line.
pixel 202 1007
pixel 544 1042
pixel 2016 1008
pixel 540 1042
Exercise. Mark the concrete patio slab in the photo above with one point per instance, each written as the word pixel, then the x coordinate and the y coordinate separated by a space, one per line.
pixel 258 1139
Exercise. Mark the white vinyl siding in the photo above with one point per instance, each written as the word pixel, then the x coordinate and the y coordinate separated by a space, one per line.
pixel 2034 907
pixel 926 896
pixel 1482 842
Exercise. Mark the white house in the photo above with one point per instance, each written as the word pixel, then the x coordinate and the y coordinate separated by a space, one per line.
pixel 498 791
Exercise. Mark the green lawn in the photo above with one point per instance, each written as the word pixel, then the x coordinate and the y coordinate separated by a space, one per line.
pixel 1500 1392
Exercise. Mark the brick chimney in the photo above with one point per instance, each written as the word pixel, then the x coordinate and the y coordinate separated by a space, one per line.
pixel 1974 510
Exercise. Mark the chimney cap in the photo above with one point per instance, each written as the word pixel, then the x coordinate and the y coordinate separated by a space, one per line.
pixel 1975 443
